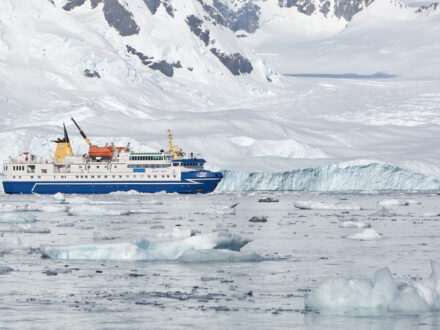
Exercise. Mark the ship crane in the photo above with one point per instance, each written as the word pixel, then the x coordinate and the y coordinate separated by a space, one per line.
pixel 95 151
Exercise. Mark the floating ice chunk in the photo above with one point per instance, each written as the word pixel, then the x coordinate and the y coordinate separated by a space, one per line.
pixel 311 205
pixel 353 296
pixel 59 197
pixel 130 193
pixel 383 212
pixel 24 228
pixel 220 210
pixel 354 224
pixel 396 202
pixel 368 234
pixel 203 256
pixel 17 217
pixel 53 208
pixel 176 233
pixel 78 200
pixel 5 270
pixel 145 250
pixel 95 210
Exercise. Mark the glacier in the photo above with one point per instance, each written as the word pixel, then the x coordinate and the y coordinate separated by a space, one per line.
pixel 371 177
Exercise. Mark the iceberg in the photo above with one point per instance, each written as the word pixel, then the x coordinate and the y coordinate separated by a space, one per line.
pixel 354 224
pixel 381 294
pixel 334 177
pixel 145 250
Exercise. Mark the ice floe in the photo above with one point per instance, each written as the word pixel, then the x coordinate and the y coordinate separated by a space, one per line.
pixel 311 205
pixel 340 295
pixel 146 250
pixel 368 234
pixel 95 210
pixel 23 228
pixel 17 217
pixel 176 233
pixel 354 224
pixel 383 212
pixel 396 202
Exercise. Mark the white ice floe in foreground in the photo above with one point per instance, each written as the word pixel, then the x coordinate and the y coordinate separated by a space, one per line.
pixel 340 295
pixel 311 205
pixel 17 217
pixel 145 250
pixel 368 234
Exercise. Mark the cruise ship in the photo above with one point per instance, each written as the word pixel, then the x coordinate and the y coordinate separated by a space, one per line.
pixel 108 169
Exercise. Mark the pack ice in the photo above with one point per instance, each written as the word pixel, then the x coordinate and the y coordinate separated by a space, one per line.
pixel 340 295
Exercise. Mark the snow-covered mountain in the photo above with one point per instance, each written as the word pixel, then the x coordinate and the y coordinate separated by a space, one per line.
pixel 360 100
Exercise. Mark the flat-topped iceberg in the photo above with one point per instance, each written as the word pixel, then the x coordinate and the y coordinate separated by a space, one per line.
pixel 145 250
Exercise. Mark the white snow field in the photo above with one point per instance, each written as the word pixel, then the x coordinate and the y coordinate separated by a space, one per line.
pixel 184 267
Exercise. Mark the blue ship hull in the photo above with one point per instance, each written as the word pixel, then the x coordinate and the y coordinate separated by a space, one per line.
pixel 191 183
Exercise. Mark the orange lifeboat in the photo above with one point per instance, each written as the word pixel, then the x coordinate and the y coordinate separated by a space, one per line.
pixel 103 152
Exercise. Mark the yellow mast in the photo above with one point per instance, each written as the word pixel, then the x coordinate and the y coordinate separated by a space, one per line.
pixel 174 149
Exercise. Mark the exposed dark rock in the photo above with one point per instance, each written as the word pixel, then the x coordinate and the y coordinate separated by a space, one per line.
pixel 348 8
pixel 236 63
pixel 214 13
pixel 95 3
pixel 342 8
pixel 190 68
pixel 432 6
pixel 168 7
pixel 70 4
pixel 120 18
pixel 258 219
pixel 152 5
pixel 164 67
pixel 91 74
pixel 196 26
pixel 246 18
pixel 146 60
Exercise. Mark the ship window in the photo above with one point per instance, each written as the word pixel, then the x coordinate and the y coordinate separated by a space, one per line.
pixel 168 176
pixel 77 176
pixel 176 164
pixel 105 176
pixel 13 176
pixel 92 176
pixel 120 176
pixel 80 166
pixel 113 176
pixel 43 170
pixel 155 176
pixel 99 176
pixel 39 177
pixel 149 176
pixel 163 176
pixel 97 166
pixel 116 166
pixel 32 176
pixel 128 176
pixel 174 176
pixel 88 166
pixel 85 176
pixel 19 177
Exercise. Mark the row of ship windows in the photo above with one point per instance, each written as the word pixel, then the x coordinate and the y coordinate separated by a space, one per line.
pixel 106 176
